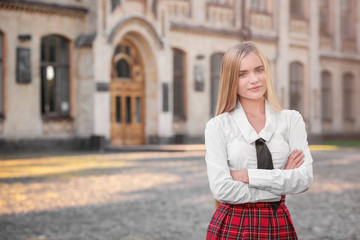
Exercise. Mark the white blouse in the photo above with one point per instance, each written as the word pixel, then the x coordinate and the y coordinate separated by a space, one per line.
pixel 230 145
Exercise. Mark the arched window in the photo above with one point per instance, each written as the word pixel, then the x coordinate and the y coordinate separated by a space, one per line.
pixel 1 76
pixel 55 77
pixel 123 69
pixel 326 96
pixel 126 63
pixel 214 80
pixel 179 84
pixel 296 86
pixel 297 8
pixel 348 97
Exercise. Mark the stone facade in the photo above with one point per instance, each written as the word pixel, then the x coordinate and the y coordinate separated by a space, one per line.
pixel 198 30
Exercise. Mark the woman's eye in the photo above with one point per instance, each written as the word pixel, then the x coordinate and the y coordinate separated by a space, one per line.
pixel 260 69
pixel 242 75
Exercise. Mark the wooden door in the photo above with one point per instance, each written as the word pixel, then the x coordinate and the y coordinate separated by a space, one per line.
pixel 127 97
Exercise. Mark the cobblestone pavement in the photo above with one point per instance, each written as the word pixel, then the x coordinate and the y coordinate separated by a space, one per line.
pixel 155 196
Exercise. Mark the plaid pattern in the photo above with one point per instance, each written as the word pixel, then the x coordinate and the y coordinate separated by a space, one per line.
pixel 251 221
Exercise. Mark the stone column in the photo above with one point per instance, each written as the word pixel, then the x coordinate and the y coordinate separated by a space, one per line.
pixel 165 96
pixel 337 77
pixel 283 52
pixel 102 52
pixel 314 82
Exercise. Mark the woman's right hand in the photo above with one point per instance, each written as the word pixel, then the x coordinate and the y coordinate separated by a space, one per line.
pixel 295 159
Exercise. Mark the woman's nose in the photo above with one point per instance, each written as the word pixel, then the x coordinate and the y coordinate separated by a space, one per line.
pixel 253 78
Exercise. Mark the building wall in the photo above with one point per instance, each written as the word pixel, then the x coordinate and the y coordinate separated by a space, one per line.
pixel 198 28
pixel 337 69
pixel 23 110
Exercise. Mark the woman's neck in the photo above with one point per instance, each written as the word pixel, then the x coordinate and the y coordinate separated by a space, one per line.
pixel 253 107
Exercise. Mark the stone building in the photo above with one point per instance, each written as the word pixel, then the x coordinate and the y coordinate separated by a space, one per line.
pixel 77 72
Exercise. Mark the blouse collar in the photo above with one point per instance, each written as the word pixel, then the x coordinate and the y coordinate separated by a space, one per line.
pixel 247 129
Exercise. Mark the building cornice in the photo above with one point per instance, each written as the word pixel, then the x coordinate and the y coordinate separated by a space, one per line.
pixel 203 30
pixel 85 40
pixel 264 37
pixel 44 8
pixel 340 56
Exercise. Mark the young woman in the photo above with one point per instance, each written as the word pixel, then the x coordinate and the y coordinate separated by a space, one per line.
pixel 256 153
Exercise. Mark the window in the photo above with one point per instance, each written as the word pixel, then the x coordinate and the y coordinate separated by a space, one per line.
pixel 258 5
pixel 222 2
pixel 179 85
pixel 128 110
pixel 214 80
pixel 326 98
pixel 1 76
pixel 118 109
pixel 296 89
pixel 114 4
pixel 104 14
pixel 123 69
pixel 324 17
pixel 348 97
pixel 126 63
pixel 347 19
pixel 55 76
pixel 138 110
pixel 155 7
pixel 297 8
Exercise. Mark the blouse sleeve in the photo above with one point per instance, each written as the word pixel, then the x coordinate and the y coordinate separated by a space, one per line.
pixel 292 181
pixel 222 186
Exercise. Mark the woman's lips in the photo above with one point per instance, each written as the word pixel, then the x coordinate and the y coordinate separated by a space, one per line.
pixel 255 89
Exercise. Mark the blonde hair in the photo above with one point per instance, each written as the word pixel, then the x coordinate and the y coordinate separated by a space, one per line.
pixel 229 76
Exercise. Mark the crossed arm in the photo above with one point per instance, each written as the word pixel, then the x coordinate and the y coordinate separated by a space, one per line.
pixel 295 160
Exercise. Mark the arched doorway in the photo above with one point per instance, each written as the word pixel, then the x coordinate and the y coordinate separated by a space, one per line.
pixel 127 96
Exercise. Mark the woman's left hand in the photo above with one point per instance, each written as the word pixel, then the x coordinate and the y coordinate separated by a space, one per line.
pixel 240 175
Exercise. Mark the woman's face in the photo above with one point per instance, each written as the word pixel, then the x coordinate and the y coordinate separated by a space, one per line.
pixel 252 78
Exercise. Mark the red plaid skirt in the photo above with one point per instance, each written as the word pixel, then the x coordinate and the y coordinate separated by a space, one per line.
pixel 251 221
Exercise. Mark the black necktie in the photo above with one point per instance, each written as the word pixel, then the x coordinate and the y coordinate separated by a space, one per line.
pixel 264 161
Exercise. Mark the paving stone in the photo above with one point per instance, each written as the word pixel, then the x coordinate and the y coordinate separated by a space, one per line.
pixel 161 196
